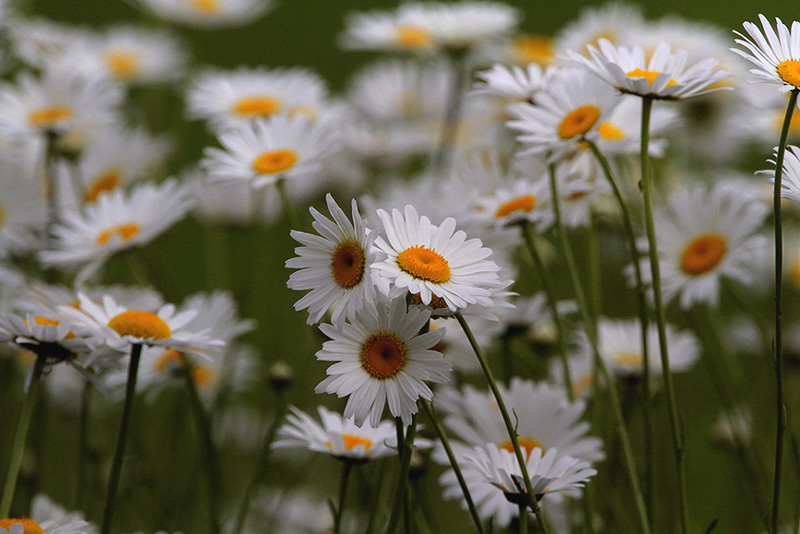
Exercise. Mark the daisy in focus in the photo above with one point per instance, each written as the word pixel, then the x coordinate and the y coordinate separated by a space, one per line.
pixel 335 265
pixel 48 517
pixel 790 183
pixel 382 358
pixel 776 56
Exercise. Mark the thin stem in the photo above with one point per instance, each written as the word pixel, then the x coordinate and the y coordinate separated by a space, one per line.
pixel 442 435
pixel 119 454
pixel 600 366
pixel 523 518
pixel 83 440
pixel 288 207
pixel 630 234
pixel 337 521
pixel 18 447
pixel 452 115
pixel 780 415
pixel 207 451
pixel 402 481
pixel 263 463
pixel 655 268
pixel 540 518
pixel 595 276
pixel 510 427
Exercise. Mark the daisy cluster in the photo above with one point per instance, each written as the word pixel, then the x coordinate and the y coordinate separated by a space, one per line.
pixel 537 240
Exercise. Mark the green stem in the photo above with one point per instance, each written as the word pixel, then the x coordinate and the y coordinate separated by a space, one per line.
pixel 288 207
pixel 523 518
pixel 263 463
pixel 630 234
pixel 510 427
pixel 452 115
pixel 595 276
pixel 442 435
pixel 402 481
pixel 655 268
pixel 600 366
pixel 337 522
pixel 780 415
pixel 207 453
pixel 119 454
pixel 83 439
pixel 539 517
pixel 18 447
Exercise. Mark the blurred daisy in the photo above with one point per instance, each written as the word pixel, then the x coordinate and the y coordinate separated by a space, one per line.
pixel 523 200
pixel 267 150
pixel 26 525
pixel 776 56
pixel 569 110
pixel 513 83
pixel 705 234
pixel 209 14
pixel 42 335
pixel 23 213
pixel 40 42
pixel 116 222
pixel 229 203
pixel 337 436
pixel 434 261
pixel 790 179
pixel 614 21
pixel 381 357
pixel 528 48
pixel 51 514
pixel 335 265
pixel 237 97
pixel 664 75
pixel 620 132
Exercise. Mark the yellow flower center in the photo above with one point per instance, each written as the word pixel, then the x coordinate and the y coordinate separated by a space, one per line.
pixel 524 203
pixel 582 384
pixel 352 441
pixel 794 271
pixel 49 116
pixel 275 161
pixel 45 321
pixel 629 359
pixel 609 132
pixel 256 106
pixel 347 264
pixel 578 121
pixel 123 231
pixel 424 264
pixel 789 71
pixel 123 65
pixel 383 355
pixel 649 75
pixel 411 37
pixel 206 6
pixel 533 49
pixel 29 526
pixel 140 324
pixel 107 181
pixel 527 443
pixel 305 111
pixel 703 254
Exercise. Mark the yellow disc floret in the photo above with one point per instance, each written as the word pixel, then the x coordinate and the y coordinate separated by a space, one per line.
pixel 578 121
pixel 789 71
pixel 703 254
pixel 525 443
pixel 352 441
pixel 49 116
pixel 424 264
pixel 609 132
pixel 106 181
pixel 629 359
pixel 533 49
pixel 256 106
pixel 347 264
pixel 124 231
pixel 275 161
pixel 123 65
pixel 29 526
pixel 649 75
pixel 411 37
pixel 206 6
pixel 383 355
pixel 524 203
pixel 140 324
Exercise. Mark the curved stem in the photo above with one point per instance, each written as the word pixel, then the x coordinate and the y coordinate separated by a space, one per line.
pixel 440 432
pixel 600 366
pixel 288 207
pixel 780 408
pixel 83 442
pixel 540 517
pixel 20 435
pixel 337 521
pixel 523 518
pixel 402 482
pixel 119 454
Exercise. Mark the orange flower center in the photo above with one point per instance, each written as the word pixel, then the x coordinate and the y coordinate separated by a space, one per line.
pixel 347 264
pixel 629 359
pixel 609 132
pixel 525 443
pixel 703 254
pixel 424 264
pixel 352 441
pixel 140 324
pixel 411 37
pixel 123 231
pixel 257 106
pixel 578 121
pixel 524 203
pixel 49 116
pixel 533 49
pixel 383 355
pixel 649 75
pixel 275 161
pixel 789 71
pixel 107 181
pixel 29 526
pixel 123 65
pixel 206 6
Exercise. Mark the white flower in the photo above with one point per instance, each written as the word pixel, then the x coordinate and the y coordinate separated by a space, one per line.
pixel 209 14
pixel 513 83
pixel 23 212
pixel 335 265
pixel 43 335
pixel 615 21
pixel 434 261
pixel 382 358
pixel 49 518
pixel 790 178
pixel 777 56
pixel 522 200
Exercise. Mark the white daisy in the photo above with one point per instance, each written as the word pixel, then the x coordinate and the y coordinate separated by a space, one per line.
pixel 267 150
pixel 434 261
pixel 26 525
pixel 50 515
pixel 790 178
pixel 513 83
pixel 337 436
pixel 42 335
pixel 23 212
pixel 776 56
pixel 237 97
pixel 40 42
pixel 116 222
pixel 620 132
pixel 209 14
pixel 614 21
pixel 335 265
pixel 381 357
pixel 569 110
pixel 526 48
pixel 523 200
pixel 664 76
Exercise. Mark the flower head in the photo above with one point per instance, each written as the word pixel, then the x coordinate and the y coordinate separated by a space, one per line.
pixel 790 180
pixel 776 56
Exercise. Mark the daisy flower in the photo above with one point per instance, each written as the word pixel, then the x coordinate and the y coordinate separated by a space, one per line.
pixel 267 150
pixel 23 212
pixel 664 76
pixel 381 357
pixel 569 110
pixel 335 265
pixel 620 132
pixel 434 261
pixel 229 203
pixel 523 200
pixel 209 14
pixel 237 97
pixel 513 83
pixel 528 48
pixel 39 42
pixel 776 56
pixel 790 184
pixel 614 21
pixel 337 436
pixel 42 335
pixel 703 235
pixel 26 525
pixel 51 514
